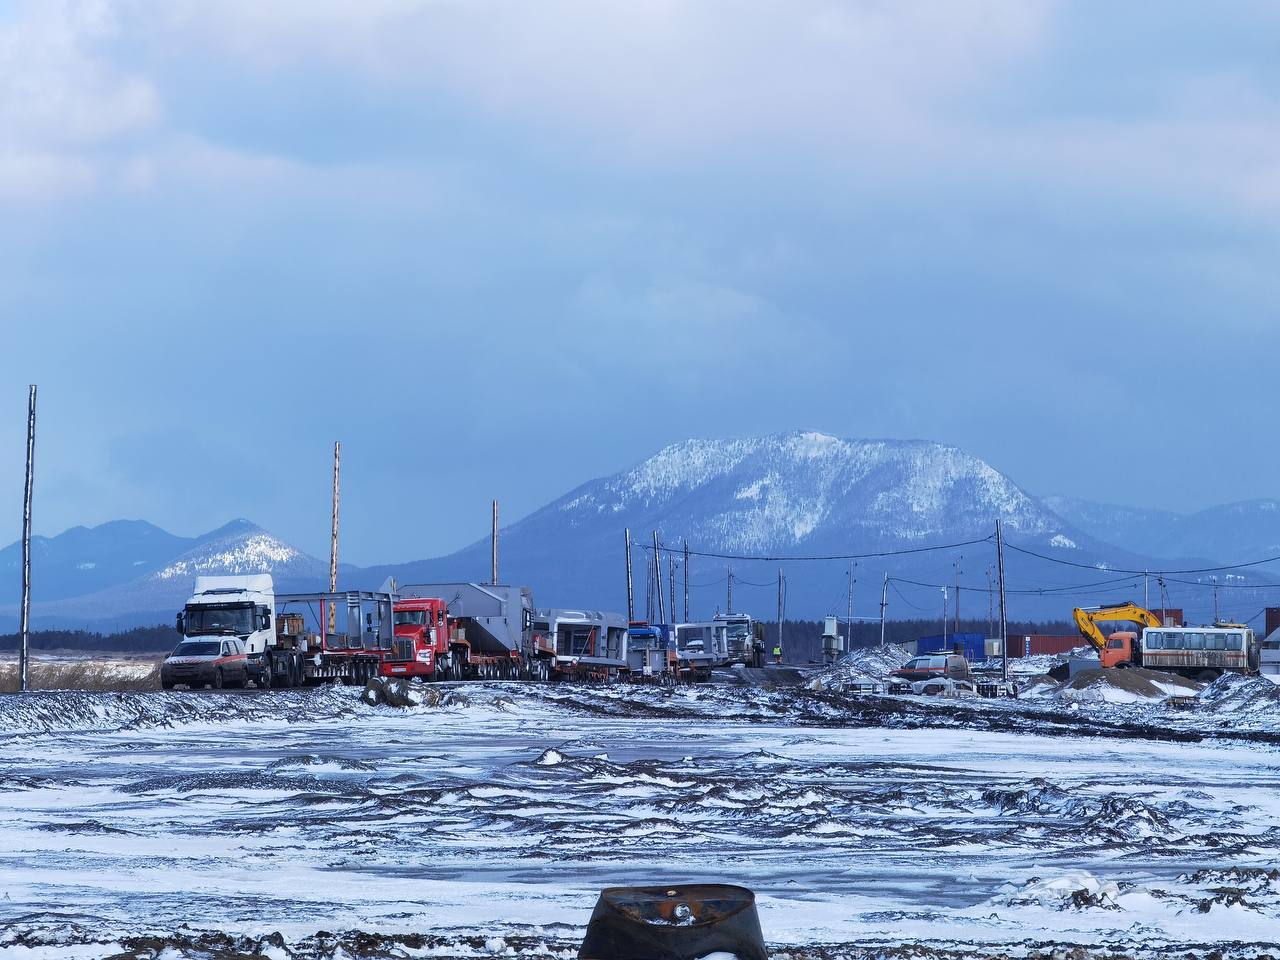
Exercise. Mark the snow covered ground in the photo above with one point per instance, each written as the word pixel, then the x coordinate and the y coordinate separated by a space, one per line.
pixel 300 823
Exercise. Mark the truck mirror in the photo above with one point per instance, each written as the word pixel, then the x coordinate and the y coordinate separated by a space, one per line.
pixel 179 623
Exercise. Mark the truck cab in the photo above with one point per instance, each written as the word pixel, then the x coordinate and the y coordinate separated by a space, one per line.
pixel 421 644
pixel 242 607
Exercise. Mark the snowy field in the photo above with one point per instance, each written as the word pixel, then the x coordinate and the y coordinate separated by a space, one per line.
pixel 303 823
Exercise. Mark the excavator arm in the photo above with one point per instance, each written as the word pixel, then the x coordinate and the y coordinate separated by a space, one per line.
pixel 1090 622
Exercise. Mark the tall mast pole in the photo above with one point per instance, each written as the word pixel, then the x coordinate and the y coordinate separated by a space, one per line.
pixel 493 546
pixel 1004 626
pixel 631 604
pixel 24 652
pixel 686 581
pixel 957 568
pixel 657 571
pixel 730 597
pixel 333 528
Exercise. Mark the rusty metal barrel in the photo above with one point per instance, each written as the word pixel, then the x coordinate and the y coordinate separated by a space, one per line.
pixel 674 923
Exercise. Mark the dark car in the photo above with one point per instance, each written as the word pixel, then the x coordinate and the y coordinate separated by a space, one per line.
pixel 207 662
pixel 932 666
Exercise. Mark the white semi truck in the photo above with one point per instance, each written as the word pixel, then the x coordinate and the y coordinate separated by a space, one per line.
pixel 292 639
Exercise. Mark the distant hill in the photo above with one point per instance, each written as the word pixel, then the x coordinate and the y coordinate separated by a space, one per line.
pixel 1248 530
pixel 793 494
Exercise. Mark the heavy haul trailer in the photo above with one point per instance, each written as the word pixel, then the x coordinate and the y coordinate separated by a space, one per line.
pixel 652 655
pixel 727 640
pixel 305 650
pixel 589 644
pixel 487 633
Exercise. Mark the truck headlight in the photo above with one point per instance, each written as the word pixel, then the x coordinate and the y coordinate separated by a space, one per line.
pixel 424 656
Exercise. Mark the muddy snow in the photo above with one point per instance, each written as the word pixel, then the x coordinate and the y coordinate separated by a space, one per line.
pixel 306 823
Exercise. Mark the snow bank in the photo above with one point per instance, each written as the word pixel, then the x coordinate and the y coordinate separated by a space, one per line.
pixel 863 665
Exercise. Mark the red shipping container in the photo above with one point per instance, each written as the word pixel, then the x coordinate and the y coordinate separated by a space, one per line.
pixel 1273 620
pixel 1038 644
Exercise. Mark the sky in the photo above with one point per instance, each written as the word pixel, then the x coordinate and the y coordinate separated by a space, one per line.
pixel 499 249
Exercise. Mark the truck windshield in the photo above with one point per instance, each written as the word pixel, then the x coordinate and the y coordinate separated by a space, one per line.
pixel 198 648
pixel 414 618
pixel 220 619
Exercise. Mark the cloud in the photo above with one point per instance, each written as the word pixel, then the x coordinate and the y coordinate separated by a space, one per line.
pixel 63 101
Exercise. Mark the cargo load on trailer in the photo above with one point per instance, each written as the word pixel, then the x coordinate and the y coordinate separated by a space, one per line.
pixel 487 633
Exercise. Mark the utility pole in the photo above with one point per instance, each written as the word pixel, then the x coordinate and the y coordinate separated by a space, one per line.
pixel 1146 590
pixel 631 603
pixel 1216 619
pixel 1004 626
pixel 493 545
pixel 729 599
pixel 884 602
pixel 24 652
pixel 333 529
pixel 991 605
pixel 944 618
pixel 849 633
pixel 671 570
pixel 648 590
pixel 657 570
pixel 956 565
pixel 781 611
pixel 686 581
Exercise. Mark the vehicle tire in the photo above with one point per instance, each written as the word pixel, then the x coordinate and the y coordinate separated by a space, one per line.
pixel 217 680
pixel 166 684
pixel 1208 676
pixel 1125 665
pixel 295 664
pixel 264 679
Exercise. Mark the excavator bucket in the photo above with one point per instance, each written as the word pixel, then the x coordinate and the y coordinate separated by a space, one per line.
pixel 674 923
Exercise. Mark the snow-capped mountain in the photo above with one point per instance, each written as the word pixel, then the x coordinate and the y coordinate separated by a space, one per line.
pixel 1248 530
pixel 239 547
pixel 788 495
pixel 792 494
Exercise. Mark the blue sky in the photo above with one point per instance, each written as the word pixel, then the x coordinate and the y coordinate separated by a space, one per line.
pixel 500 249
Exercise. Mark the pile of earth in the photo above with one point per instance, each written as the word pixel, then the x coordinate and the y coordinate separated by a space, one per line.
pixel 1125 686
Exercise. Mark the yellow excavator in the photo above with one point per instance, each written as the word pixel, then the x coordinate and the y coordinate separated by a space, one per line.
pixel 1111 631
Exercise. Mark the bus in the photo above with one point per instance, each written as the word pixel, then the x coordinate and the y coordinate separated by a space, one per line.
pixel 1202 653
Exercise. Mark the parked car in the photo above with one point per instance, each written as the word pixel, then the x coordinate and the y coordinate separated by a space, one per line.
pixel 952 666
pixel 206 663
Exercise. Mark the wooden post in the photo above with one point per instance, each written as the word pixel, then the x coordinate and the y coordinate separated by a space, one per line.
pixel 333 530
pixel 657 573
pixel 24 654
pixel 631 605
pixel 493 546
pixel 1004 631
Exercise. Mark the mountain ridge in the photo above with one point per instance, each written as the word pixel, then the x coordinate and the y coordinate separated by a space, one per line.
pixel 786 494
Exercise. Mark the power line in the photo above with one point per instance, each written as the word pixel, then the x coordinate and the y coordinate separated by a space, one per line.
pixel 1153 573
pixel 841 556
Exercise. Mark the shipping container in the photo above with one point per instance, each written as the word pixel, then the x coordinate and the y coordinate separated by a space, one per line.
pixel 1273 621
pixel 972 645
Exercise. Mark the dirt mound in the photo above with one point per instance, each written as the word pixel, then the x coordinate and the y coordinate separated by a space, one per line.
pixel 1126 686
pixel 1234 693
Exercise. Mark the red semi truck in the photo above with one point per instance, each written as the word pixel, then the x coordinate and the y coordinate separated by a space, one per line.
pixel 431 645
pixel 466 631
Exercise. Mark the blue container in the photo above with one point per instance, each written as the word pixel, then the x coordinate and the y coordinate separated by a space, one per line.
pixel 972 645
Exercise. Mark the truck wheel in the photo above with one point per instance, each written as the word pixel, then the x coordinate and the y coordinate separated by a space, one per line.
pixel 217 679
pixel 166 684
pixel 264 679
